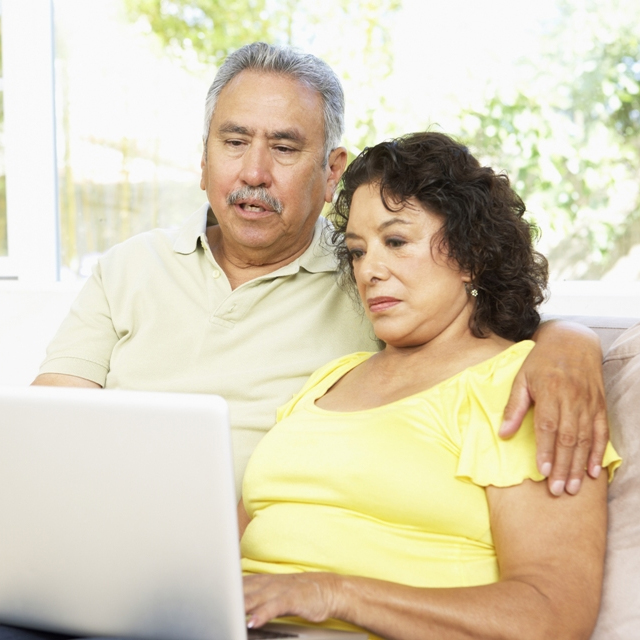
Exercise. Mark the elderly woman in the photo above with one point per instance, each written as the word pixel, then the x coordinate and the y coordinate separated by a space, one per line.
pixel 384 498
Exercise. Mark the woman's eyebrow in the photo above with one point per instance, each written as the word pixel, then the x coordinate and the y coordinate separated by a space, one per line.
pixel 392 221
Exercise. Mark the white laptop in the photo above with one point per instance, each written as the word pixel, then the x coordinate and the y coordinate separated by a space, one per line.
pixel 118 516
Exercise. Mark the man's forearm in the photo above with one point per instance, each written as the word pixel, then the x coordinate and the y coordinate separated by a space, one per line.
pixel 63 380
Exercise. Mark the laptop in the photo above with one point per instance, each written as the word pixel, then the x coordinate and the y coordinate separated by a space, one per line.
pixel 119 517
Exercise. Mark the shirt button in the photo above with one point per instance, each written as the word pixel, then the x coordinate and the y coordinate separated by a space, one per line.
pixel 215 273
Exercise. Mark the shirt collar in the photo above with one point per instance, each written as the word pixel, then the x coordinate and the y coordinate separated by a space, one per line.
pixel 194 226
pixel 317 258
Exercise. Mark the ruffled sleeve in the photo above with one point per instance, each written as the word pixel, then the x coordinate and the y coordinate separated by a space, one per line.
pixel 486 458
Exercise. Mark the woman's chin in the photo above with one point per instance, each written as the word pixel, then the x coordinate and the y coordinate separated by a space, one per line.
pixel 398 341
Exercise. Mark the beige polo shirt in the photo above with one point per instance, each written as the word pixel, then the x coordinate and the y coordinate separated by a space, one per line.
pixel 158 314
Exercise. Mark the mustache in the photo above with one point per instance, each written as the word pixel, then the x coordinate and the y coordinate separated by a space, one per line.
pixel 259 194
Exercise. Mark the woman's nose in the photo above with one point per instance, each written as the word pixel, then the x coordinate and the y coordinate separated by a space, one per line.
pixel 373 267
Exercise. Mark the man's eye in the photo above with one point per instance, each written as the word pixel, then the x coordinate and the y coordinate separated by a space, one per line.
pixel 282 149
pixel 235 143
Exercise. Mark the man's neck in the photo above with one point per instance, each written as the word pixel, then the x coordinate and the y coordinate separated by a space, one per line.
pixel 245 265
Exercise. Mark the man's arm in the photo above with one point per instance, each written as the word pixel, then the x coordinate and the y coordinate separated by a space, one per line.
pixel 63 380
pixel 562 377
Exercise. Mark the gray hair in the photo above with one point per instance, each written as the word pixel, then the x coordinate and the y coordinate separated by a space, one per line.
pixel 311 71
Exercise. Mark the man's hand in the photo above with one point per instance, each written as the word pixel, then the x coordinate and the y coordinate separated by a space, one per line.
pixel 563 377
pixel 312 596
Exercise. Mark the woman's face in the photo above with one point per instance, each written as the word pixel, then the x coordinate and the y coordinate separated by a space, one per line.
pixel 411 291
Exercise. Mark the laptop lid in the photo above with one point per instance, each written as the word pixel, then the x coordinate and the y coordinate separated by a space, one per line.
pixel 119 515
pixel 112 506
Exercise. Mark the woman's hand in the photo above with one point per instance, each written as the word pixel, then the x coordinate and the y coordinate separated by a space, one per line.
pixel 563 377
pixel 312 596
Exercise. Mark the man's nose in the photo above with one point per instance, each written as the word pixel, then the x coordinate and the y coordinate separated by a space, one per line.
pixel 256 166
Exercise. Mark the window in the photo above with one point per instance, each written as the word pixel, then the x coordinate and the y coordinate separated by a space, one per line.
pixel 549 91
pixel 4 247
pixel 29 142
pixel 129 129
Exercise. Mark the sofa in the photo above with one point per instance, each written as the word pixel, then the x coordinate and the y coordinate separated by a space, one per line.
pixel 619 617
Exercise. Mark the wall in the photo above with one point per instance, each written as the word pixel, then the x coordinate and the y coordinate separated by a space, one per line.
pixel 29 317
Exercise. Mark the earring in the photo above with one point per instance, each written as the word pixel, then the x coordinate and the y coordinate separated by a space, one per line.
pixel 471 289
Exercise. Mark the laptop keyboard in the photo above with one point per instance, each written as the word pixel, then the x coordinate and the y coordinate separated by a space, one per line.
pixel 261 634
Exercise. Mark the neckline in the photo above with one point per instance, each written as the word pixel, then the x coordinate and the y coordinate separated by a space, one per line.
pixel 329 381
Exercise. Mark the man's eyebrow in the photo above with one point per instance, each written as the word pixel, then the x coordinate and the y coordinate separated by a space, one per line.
pixel 231 127
pixel 287 134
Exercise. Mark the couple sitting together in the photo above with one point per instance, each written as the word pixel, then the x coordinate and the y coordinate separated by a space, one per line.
pixel 384 498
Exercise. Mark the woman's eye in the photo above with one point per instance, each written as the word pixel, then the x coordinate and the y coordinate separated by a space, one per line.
pixel 354 254
pixel 395 242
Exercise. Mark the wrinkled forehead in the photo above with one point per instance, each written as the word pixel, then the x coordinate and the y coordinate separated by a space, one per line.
pixel 270 97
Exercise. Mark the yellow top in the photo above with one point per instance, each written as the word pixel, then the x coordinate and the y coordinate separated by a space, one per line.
pixel 159 314
pixel 395 492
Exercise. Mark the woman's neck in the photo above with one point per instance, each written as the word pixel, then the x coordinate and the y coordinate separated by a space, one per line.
pixel 401 371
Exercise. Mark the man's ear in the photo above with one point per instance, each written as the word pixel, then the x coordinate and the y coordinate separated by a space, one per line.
pixel 336 165
pixel 203 164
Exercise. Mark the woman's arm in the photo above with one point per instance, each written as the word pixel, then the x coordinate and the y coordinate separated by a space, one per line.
pixel 549 588
pixel 563 377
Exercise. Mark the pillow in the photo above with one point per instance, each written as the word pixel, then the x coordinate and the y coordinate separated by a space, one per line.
pixel 620 612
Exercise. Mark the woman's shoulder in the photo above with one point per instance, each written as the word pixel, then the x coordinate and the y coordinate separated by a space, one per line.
pixel 324 378
pixel 496 372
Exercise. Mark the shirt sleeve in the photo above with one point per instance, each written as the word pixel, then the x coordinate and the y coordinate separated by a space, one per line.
pixel 486 458
pixel 84 342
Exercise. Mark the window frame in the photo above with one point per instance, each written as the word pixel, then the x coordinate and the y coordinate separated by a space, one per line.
pixel 30 150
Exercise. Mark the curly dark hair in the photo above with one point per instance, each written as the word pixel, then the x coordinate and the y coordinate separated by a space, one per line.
pixel 484 231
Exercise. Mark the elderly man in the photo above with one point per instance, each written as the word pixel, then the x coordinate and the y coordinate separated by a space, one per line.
pixel 242 301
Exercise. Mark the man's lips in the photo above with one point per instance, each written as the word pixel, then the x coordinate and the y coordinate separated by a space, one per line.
pixel 254 200
pixel 381 303
pixel 253 209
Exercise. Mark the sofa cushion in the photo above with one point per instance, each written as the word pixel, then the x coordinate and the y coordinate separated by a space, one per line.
pixel 607 328
pixel 620 612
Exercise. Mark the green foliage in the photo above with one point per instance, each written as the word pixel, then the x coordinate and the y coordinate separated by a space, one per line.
pixel 571 141
pixel 212 28
pixel 208 30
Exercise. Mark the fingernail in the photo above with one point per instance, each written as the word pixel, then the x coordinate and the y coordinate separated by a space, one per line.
pixel 557 487
pixel 596 471
pixel 250 623
pixel 545 469
pixel 573 486
pixel 502 429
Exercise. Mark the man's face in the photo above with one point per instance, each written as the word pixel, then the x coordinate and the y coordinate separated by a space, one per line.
pixel 263 171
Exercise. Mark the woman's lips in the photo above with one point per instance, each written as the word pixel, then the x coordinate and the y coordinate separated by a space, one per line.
pixel 381 303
